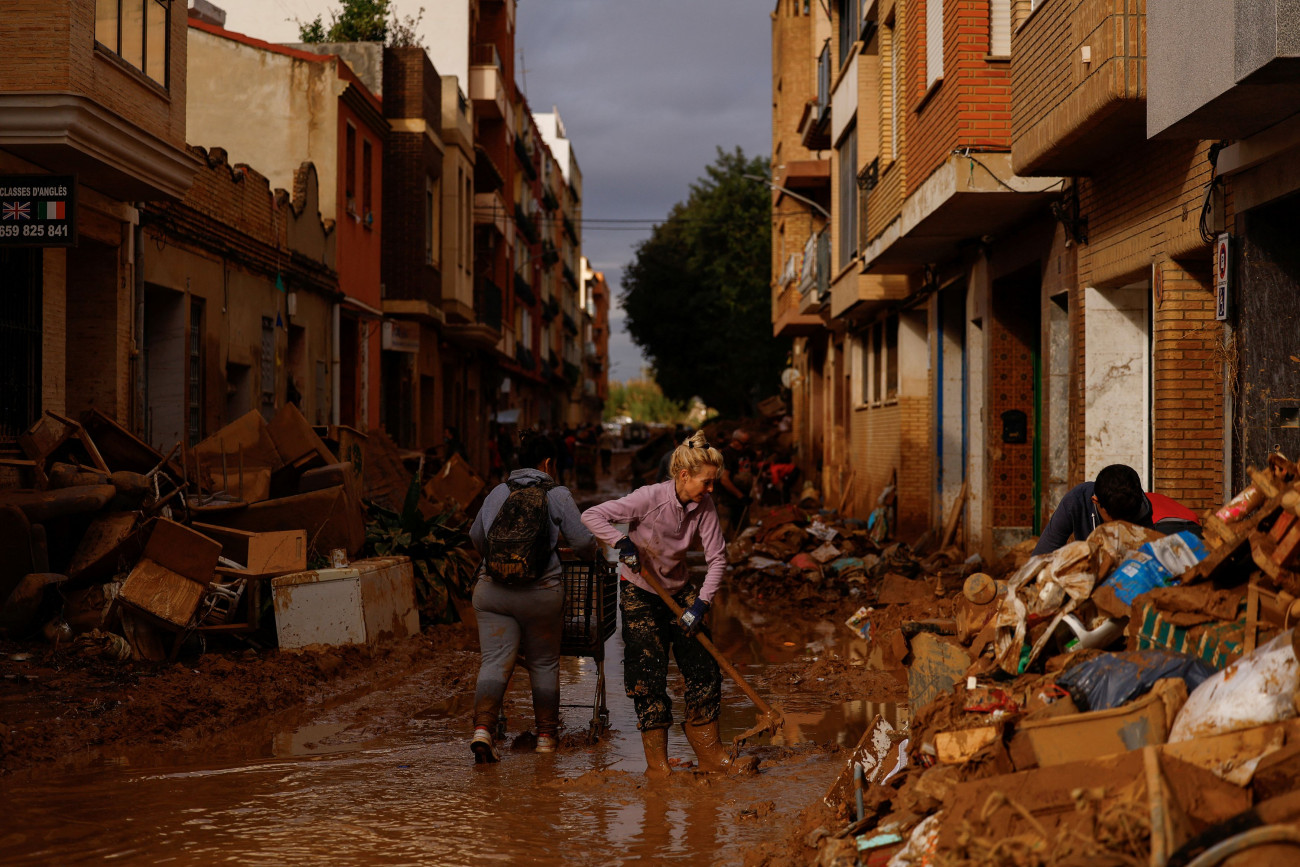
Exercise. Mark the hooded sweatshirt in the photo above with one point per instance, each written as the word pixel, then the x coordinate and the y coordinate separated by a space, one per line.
pixel 565 519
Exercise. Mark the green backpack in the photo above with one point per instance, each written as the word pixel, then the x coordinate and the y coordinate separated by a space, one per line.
pixel 519 542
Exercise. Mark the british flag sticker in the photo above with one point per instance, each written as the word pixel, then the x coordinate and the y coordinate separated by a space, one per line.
pixel 38 210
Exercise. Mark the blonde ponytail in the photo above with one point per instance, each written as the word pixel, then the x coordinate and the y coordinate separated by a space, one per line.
pixel 693 455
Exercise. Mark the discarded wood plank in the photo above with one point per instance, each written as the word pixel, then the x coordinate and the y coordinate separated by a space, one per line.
pixel 1265 482
pixel 958 507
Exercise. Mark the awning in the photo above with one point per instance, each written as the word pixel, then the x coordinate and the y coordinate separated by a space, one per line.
pixel 361 308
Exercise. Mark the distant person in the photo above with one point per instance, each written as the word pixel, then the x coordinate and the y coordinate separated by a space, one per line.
pixel 736 480
pixel 1116 495
pixel 605 444
pixel 519 598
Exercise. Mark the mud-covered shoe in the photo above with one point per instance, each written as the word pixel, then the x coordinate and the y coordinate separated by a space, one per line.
pixel 545 744
pixel 485 752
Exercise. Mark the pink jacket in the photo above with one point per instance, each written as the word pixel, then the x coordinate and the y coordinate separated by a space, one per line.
pixel 662 528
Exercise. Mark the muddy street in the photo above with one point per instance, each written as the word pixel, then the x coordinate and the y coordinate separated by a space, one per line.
pixel 387 777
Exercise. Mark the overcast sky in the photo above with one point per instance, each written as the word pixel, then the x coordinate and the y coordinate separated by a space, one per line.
pixel 647 90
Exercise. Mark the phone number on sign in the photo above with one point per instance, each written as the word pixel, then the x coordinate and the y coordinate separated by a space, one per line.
pixel 37 230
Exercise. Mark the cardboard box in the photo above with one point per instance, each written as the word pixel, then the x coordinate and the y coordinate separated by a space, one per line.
pixel 455 483
pixel 1081 736
pixel 362 603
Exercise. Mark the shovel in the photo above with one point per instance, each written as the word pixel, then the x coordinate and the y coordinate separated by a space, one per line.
pixel 769 718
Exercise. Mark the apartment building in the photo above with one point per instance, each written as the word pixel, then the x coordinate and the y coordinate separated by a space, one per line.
pixel 1015 291
pixel 239 291
pixel 1237 122
pixel 92 123
pixel 297 104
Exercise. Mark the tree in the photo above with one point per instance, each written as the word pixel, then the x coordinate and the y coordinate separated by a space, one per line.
pixel 697 294
pixel 364 21
pixel 642 400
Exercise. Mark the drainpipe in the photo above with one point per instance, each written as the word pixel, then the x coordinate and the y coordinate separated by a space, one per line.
pixel 137 290
pixel 336 366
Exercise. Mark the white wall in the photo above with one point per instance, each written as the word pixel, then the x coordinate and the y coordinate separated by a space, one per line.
pixel 1117 396
pixel 445 30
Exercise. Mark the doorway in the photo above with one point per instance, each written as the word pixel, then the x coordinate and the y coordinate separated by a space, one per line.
pixel 21 330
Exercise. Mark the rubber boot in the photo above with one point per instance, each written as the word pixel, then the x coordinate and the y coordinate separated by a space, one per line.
pixel 708 746
pixel 655 742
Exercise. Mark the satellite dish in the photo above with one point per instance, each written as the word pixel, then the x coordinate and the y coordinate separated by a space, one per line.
pixel 790 377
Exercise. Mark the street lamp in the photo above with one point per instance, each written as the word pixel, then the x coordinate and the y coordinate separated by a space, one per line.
pixel 791 193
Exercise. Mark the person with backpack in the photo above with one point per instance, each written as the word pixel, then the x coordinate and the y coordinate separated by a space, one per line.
pixel 665 520
pixel 519 595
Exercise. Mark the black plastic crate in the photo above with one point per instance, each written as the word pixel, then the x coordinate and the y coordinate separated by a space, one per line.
pixel 590 602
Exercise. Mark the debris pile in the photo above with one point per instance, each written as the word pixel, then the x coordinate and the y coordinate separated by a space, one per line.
pixel 1130 698
pixel 124 552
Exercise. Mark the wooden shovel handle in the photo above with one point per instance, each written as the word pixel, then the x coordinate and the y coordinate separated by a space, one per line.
pixel 723 662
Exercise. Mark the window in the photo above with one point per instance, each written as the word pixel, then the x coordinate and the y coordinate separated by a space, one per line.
pixel 895 91
pixel 468 201
pixel 526 328
pixel 880 363
pixel 367 185
pixel 194 415
pixel 850 26
pixel 933 42
pixel 350 169
pixel 432 220
pixel 460 222
pixel 138 31
pixel 848 203
pixel 1000 28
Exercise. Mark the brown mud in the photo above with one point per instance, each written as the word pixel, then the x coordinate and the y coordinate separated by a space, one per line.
pixel 356 755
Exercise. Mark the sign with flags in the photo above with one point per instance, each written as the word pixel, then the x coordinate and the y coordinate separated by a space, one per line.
pixel 38 211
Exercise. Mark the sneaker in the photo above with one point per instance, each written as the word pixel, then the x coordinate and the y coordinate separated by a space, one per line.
pixel 484 750
pixel 545 744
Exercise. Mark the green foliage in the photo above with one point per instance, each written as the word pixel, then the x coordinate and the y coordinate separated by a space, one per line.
pixel 364 21
pixel 698 296
pixel 642 400
pixel 437 548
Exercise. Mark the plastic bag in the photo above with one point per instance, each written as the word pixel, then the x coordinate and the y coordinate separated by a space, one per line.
pixel 1177 552
pixel 1114 679
pixel 1256 690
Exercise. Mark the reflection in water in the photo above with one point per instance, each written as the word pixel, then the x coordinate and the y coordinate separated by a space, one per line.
pixel 388 778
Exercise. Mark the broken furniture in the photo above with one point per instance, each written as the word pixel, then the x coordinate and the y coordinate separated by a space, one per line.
pixel 256 559
pixel 166 587
pixel 25 577
pixel 359 604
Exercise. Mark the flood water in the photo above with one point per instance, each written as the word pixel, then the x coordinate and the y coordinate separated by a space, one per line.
pixel 389 778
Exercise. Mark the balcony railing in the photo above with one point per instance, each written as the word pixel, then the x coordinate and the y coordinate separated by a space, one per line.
pixel 485 54
pixel 525 357
pixel 816 274
pixel 488 304
pixel 569 325
pixel 525 158
pixel 524 289
pixel 525 225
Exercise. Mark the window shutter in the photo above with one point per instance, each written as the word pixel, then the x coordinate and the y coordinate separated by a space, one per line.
pixel 1000 28
pixel 933 42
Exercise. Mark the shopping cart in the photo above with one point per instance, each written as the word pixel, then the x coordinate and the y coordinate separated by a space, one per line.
pixel 590 602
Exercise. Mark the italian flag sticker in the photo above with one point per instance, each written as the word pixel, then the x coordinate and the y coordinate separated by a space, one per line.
pixel 50 211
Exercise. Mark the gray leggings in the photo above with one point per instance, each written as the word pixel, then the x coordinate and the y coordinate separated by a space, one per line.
pixel 514 620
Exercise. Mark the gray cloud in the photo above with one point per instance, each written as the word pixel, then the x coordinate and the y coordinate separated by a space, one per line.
pixel 647 91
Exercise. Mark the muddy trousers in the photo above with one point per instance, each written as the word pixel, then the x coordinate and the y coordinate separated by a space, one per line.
pixel 649 630
pixel 514 620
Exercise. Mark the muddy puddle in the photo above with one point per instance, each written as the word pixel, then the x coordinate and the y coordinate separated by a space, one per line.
pixel 388 778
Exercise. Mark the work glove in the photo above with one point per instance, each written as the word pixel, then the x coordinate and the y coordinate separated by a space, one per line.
pixel 627 554
pixel 693 618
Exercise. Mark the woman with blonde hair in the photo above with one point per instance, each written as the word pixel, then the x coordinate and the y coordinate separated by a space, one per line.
pixel 664 521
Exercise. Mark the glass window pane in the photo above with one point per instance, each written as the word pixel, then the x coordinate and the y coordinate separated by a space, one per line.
pixel 106 23
pixel 156 43
pixel 132 50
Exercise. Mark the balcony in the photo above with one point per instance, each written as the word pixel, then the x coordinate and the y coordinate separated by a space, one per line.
pixel 1221 70
pixel 490 210
pixel 787 318
pixel 524 289
pixel 807 176
pixel 525 158
pixel 487 87
pixel 1078 85
pixel 815 278
pixel 525 225
pixel 487 175
pixel 525 358
pixel 570 326
pixel 967 197
pixel 815 123
pixel 486 331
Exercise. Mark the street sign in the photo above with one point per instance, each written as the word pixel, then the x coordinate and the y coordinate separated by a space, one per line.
pixel 1222 247
pixel 38 210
